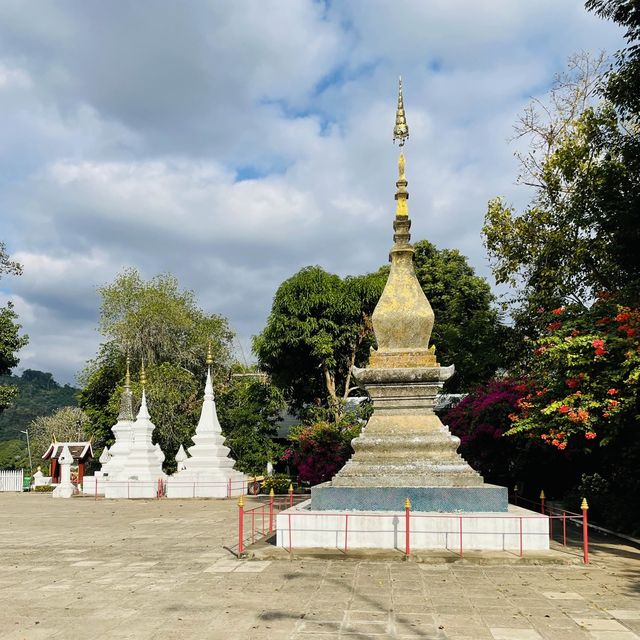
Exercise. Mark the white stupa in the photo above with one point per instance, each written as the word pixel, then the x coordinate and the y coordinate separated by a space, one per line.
pixel 112 460
pixel 142 468
pixel 181 456
pixel 208 472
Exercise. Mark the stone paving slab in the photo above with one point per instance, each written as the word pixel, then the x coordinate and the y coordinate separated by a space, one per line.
pixel 146 569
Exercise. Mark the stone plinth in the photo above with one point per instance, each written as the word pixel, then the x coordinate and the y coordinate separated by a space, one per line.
pixel 406 451
pixel 305 528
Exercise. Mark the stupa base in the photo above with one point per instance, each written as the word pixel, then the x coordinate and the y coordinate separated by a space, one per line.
pixel 482 498
pixel 518 530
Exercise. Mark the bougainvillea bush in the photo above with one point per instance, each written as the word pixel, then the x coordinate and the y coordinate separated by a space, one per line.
pixel 583 396
pixel 481 419
pixel 583 383
pixel 318 451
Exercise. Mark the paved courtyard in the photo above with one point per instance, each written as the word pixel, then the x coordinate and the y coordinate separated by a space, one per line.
pixel 158 569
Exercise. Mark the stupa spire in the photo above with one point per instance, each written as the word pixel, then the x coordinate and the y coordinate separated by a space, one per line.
pixel 401 130
pixel 126 404
pixel 143 412
pixel 127 377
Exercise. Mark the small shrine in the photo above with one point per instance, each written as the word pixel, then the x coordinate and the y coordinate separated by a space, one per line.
pixel 81 452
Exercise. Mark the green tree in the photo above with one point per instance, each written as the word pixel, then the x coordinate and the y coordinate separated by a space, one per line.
pixel 579 235
pixel 10 339
pixel 249 408
pixel 467 324
pixel 319 327
pixel 67 424
pixel 156 321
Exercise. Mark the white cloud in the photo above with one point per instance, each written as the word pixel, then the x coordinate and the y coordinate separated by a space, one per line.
pixel 234 143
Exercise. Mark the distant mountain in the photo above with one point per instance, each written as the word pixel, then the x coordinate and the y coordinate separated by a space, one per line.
pixel 38 395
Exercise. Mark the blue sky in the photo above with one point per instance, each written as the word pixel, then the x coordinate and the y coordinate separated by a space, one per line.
pixel 232 143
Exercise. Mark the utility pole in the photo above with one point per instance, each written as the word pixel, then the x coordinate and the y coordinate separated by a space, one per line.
pixel 29 450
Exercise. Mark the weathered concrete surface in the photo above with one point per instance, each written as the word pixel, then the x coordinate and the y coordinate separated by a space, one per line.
pixel 101 569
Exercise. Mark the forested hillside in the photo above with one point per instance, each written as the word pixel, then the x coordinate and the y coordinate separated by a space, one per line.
pixel 38 395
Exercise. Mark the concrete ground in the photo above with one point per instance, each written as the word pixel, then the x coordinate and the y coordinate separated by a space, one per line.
pixel 102 569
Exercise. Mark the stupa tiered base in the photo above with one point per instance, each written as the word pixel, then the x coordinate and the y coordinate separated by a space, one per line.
pixel 406 452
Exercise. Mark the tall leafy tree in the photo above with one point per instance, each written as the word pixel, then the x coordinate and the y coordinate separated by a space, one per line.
pixel 319 327
pixel 467 324
pixel 579 235
pixel 163 324
pixel 10 339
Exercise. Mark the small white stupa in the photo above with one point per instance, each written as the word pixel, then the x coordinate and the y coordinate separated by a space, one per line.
pixel 112 460
pixel 65 489
pixel 209 472
pixel 181 456
pixel 142 468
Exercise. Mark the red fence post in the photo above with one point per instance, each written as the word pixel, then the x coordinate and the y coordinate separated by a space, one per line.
pixel 271 497
pixel 291 494
pixel 407 526
pixel 585 531
pixel 542 499
pixel 240 524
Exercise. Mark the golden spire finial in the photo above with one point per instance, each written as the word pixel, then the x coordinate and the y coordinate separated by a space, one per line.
pixel 127 377
pixel 143 375
pixel 401 130
pixel 209 355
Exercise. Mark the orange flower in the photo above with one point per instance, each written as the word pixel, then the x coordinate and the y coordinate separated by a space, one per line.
pixel 590 435
pixel 562 445
pixel 558 312
pixel 613 403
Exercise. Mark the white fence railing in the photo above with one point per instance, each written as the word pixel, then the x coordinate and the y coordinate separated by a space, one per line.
pixel 11 480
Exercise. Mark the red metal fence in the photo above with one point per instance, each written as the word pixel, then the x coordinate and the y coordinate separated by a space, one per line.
pixel 252 524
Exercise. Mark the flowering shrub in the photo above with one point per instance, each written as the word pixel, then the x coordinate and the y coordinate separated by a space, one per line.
pixel 583 384
pixel 480 421
pixel 320 450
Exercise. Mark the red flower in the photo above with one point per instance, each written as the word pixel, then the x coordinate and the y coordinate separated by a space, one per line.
pixel 554 326
pixel 572 383
pixel 590 435
pixel 558 312
pixel 562 445
pixel 604 320
pixel 613 403
pixel 600 352
pixel 631 333
pixel 606 414
pixel 613 392
pixel 623 317
pixel 597 344
pixel 563 409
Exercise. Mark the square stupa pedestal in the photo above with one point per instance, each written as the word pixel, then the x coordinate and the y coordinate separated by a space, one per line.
pixel 302 527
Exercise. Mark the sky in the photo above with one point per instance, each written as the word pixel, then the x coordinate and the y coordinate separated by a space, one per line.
pixel 232 143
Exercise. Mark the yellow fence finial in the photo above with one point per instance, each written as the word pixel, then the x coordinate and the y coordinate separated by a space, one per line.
pixel 585 505
pixel 407 503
